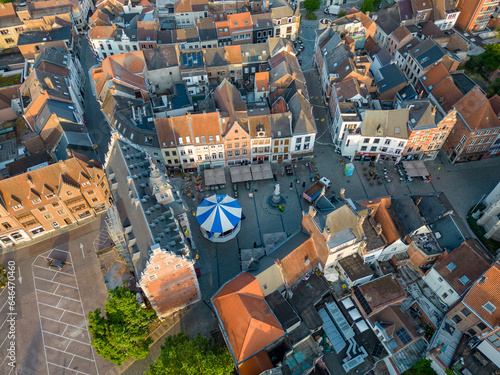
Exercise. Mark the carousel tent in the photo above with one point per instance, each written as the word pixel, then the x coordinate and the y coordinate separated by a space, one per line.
pixel 219 217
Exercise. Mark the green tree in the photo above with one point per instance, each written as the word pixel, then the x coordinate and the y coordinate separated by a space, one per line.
pixel 122 333
pixel 181 355
pixel 6 1
pixel 367 6
pixel 312 5
pixel 342 13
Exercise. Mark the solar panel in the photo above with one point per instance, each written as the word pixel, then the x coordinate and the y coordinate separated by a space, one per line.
pixel 363 302
pixel 403 336
pixel 378 349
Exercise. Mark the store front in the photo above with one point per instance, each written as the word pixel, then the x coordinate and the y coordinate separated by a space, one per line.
pixel 365 156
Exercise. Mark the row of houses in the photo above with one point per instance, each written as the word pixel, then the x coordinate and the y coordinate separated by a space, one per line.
pixel 398 276
pixel 51 101
pixel 400 97
pixel 192 26
pixel 149 102
pixel 16 19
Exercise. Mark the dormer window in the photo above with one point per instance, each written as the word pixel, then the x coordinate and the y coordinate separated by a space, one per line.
pixel 86 183
pixel 18 207
pixel 36 200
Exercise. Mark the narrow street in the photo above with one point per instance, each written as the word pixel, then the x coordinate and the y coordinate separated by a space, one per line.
pixel 96 123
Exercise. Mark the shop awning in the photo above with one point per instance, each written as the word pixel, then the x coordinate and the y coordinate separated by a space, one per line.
pixel 416 168
pixel 215 177
pixel 261 172
pixel 240 174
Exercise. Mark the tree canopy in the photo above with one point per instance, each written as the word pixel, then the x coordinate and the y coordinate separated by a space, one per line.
pixel 369 5
pixel 122 333
pixel 312 5
pixel 181 355
pixel 489 59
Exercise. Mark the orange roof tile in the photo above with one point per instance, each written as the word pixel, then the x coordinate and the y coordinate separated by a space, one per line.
pixel 262 81
pixel 206 124
pixel 256 365
pixel 102 32
pixel 240 21
pixel 7 11
pixel 476 110
pixel 65 175
pixel 435 75
pixel 300 261
pixel 447 93
pixel 486 290
pixel 165 132
pixel 248 322
pixel 381 213
pixel 233 54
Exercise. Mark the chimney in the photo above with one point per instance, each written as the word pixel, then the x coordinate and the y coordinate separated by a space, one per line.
pixel 378 229
pixel 312 211
pixel 327 234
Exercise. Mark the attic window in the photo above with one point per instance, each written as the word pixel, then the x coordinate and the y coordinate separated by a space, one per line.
pixel 235 23
pixel 152 277
pixel 464 280
pixel 267 312
pixel 18 207
pixel 482 280
pixel 178 266
pixel 424 78
pixel 451 266
pixel 86 183
pixel 488 306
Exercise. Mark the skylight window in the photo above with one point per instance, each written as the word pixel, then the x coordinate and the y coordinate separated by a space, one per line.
pixel 451 266
pixel 464 280
pixel 488 306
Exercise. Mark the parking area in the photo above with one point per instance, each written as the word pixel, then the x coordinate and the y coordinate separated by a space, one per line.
pixel 65 336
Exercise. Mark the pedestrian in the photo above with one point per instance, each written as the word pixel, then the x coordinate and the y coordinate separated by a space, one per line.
pixel 291 185
pixel 303 184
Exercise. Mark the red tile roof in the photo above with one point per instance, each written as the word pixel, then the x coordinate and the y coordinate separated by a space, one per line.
pixel 262 81
pixel 300 261
pixel 247 320
pixel 240 21
pixel 476 110
pixel 485 290
pixel 470 260
pixel 495 104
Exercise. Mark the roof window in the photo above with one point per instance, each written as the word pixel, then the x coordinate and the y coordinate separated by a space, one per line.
pixel 488 306
pixel 464 280
pixel 451 266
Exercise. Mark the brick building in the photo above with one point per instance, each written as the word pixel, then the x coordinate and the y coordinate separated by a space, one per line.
pixel 475 131
pixel 51 197
pixel 475 14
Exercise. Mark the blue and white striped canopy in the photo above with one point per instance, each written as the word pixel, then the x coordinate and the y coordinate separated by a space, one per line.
pixel 218 213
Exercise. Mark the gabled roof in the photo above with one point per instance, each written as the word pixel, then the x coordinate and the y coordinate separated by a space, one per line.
pixel 400 33
pixel 247 321
pixel 348 89
pixel 299 262
pixel 495 104
pixel 469 260
pixel 386 123
pixel 161 57
pixel 483 291
pixel 430 30
pixel 233 54
pixel 392 76
pixel 385 20
pixel 228 99
pixel 476 111
pixel 382 213
pixel 302 118
pixel 240 21
pixel 102 32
